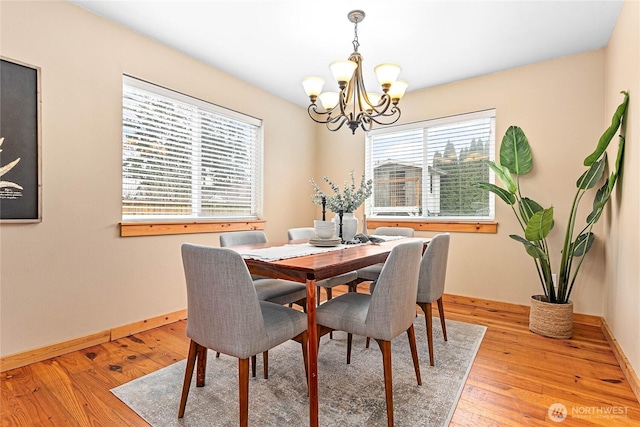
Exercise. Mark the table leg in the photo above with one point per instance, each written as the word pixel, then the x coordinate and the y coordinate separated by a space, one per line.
pixel 312 347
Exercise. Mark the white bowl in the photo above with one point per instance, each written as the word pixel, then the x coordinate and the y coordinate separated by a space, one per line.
pixel 324 229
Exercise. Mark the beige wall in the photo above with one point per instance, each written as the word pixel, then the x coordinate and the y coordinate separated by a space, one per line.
pixel 71 275
pixel 621 299
pixel 559 105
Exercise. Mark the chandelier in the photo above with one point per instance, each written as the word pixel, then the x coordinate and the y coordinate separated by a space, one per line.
pixel 353 105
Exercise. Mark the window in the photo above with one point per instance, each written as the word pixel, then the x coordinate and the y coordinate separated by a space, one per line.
pixel 427 169
pixel 186 159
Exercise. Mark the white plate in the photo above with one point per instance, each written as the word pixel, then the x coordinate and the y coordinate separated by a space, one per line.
pixel 324 242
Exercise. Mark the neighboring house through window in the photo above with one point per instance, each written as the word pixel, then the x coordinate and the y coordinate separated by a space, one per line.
pixel 428 169
pixel 185 159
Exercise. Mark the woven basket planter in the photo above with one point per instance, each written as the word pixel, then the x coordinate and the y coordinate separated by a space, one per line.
pixel 550 320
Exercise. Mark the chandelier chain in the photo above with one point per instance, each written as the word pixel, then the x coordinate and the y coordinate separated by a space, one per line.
pixel 355 42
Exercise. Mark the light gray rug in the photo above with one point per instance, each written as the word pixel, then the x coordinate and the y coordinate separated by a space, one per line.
pixel 350 395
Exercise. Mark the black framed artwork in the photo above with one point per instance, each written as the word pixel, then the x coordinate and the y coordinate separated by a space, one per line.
pixel 20 150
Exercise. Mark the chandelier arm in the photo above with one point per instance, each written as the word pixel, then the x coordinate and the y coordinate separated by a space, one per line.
pixel 388 119
pixel 316 115
pixel 341 119
pixel 382 107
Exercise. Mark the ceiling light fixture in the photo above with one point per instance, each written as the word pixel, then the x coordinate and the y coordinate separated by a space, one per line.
pixel 354 105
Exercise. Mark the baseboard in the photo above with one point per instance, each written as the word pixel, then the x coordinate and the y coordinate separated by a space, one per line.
pixel 583 319
pixel 626 367
pixel 47 352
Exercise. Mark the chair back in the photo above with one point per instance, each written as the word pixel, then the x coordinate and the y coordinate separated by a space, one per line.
pixel 234 238
pixel 433 269
pixel 394 231
pixel 301 233
pixel 392 307
pixel 223 309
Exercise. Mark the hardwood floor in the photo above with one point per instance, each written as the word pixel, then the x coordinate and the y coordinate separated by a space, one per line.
pixel 515 378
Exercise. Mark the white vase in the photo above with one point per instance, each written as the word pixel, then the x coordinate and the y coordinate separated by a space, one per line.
pixel 349 225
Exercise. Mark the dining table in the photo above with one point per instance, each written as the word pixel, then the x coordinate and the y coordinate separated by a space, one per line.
pixel 310 266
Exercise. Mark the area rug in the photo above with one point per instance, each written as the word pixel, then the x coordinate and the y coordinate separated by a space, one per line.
pixel 350 395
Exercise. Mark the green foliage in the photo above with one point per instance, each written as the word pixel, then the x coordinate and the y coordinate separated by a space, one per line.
pixel 460 169
pixel 347 200
pixel 537 222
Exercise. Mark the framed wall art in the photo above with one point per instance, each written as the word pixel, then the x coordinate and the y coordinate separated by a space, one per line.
pixel 20 142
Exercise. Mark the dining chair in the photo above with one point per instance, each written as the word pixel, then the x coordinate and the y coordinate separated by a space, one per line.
pixel 383 315
pixel 372 272
pixel 433 273
pixel 277 291
pixel 225 314
pixel 342 279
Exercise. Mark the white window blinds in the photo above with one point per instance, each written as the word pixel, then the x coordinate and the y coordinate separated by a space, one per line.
pixel 183 158
pixel 428 169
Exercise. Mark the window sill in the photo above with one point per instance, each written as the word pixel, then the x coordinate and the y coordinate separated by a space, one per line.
pixel 440 226
pixel 151 228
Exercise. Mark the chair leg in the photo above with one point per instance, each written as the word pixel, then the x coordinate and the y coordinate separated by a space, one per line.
pixel 426 307
pixel 191 362
pixel 305 355
pixel 265 364
pixel 349 340
pixel 243 388
pixel 411 334
pixel 367 344
pixel 441 312
pixel 201 369
pixel 329 297
pixel 253 366
pixel 317 296
pixel 217 354
pixel 385 346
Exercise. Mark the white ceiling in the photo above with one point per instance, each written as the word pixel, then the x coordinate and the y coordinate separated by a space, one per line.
pixel 274 44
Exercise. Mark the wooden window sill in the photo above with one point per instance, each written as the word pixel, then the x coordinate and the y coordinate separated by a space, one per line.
pixel 152 228
pixel 439 226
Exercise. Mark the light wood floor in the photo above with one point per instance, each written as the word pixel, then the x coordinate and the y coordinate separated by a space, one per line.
pixel 515 377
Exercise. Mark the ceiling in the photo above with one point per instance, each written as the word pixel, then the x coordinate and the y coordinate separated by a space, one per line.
pixel 274 44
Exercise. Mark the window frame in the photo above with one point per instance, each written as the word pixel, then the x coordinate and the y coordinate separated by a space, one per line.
pixel 426 223
pixel 194 223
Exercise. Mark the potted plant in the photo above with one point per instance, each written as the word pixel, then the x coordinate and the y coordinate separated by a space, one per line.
pixel 344 202
pixel 536 222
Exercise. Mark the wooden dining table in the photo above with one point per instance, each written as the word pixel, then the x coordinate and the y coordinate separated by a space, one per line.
pixel 309 269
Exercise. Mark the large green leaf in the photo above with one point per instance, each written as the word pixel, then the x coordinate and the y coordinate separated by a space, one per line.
pixel 507 197
pixel 527 208
pixel 531 248
pixel 515 152
pixel 614 176
pixel 600 200
pixel 504 175
pixel 590 178
pixel 539 225
pixel 582 244
pixel 606 137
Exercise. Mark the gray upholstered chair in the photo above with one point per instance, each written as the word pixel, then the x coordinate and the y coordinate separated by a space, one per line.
pixel 433 272
pixel 268 289
pixel 384 315
pixel 372 272
pixel 343 279
pixel 277 291
pixel 224 314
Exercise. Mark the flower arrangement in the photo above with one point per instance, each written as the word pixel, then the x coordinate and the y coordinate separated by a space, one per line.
pixel 347 200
